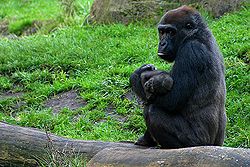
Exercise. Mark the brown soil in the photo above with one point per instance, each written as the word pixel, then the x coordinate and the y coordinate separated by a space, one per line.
pixel 4 27
pixel 33 28
pixel 7 95
pixel 18 104
pixel 111 111
pixel 70 100
pixel 131 96
pixel 26 31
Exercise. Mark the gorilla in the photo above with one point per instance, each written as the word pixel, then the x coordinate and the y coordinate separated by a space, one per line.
pixel 185 107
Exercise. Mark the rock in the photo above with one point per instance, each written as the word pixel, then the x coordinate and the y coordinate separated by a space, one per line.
pixel 127 11
pixel 204 156
pixel 220 7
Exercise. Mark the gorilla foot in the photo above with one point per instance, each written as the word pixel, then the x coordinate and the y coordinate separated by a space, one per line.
pixel 142 141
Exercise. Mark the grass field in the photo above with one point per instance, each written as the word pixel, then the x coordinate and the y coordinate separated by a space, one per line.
pixel 97 62
pixel 20 14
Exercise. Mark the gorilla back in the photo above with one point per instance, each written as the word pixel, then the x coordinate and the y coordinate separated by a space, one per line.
pixel 192 113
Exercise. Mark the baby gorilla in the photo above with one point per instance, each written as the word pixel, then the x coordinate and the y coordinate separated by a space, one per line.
pixel 156 82
pixel 150 83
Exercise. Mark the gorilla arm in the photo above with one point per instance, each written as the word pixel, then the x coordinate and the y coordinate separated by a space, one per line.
pixel 190 64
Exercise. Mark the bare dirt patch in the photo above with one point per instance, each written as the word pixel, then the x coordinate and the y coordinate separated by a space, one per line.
pixel 32 29
pixel 111 111
pixel 131 96
pixel 4 27
pixel 70 100
pixel 4 30
pixel 9 94
pixel 27 30
pixel 18 103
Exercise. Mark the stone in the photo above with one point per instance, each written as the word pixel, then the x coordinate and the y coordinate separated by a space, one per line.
pixel 127 11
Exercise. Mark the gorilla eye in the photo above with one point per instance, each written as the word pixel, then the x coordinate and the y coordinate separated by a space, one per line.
pixel 189 26
pixel 161 32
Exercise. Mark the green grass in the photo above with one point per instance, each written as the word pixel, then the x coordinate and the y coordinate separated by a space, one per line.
pixel 100 73
pixel 97 61
pixel 233 35
pixel 21 14
pixel 29 9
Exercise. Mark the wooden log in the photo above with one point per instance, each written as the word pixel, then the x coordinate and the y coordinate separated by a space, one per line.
pixel 23 146
pixel 20 146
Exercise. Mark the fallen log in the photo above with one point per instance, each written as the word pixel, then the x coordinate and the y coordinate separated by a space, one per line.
pixel 20 146
pixel 23 146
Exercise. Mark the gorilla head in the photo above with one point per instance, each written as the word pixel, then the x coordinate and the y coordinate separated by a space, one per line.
pixel 175 27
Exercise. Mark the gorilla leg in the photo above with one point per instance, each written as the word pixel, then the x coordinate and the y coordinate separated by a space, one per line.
pixel 146 139
pixel 173 131
pixel 221 132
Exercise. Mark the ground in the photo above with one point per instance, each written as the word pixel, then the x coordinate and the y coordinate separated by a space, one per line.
pixel 73 81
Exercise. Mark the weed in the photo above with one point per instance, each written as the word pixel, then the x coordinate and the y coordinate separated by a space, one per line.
pixel 5 83
pixel 56 157
pixel 68 7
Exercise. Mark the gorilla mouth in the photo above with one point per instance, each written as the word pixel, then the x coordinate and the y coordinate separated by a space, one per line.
pixel 167 57
pixel 161 54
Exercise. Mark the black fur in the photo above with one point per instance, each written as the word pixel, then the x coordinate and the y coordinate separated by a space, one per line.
pixel 192 113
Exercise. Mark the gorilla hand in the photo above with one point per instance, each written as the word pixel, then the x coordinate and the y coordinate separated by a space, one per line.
pixel 137 83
